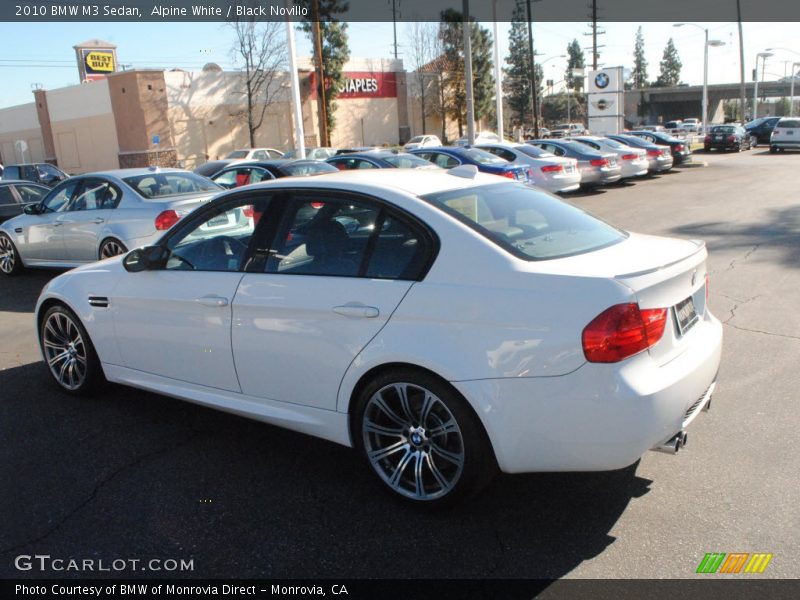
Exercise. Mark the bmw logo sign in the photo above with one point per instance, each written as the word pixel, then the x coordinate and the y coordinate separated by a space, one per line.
pixel 601 80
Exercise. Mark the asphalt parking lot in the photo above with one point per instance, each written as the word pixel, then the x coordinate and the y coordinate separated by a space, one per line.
pixel 132 474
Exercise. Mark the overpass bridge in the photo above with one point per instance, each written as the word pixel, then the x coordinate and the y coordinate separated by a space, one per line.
pixel 686 101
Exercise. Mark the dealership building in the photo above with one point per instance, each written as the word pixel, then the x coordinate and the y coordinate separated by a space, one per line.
pixel 139 117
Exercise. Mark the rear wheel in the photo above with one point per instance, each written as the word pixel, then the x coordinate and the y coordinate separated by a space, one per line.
pixel 70 356
pixel 421 439
pixel 111 247
pixel 10 261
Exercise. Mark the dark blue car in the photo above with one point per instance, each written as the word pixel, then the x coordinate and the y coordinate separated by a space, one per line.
pixel 378 159
pixel 449 157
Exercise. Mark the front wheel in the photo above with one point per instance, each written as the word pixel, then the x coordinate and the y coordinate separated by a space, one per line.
pixel 70 356
pixel 421 439
pixel 111 247
pixel 10 261
pixel 772 149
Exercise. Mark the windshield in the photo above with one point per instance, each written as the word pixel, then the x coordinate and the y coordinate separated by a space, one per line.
pixel 238 154
pixel 484 158
pixel 305 168
pixel 160 185
pixel 407 161
pixel 534 151
pixel 416 140
pixel 526 222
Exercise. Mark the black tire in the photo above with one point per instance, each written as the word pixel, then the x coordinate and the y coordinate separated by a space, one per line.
pixel 441 480
pixel 772 149
pixel 58 327
pixel 111 247
pixel 10 261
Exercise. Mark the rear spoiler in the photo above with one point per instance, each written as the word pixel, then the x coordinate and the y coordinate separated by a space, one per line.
pixel 700 246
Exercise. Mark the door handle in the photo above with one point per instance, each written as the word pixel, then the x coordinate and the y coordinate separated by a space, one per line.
pixel 357 310
pixel 98 220
pixel 212 301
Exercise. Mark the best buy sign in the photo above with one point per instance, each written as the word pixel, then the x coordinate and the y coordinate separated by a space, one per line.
pixel 98 61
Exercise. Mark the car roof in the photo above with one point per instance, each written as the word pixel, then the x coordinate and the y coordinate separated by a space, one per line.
pixel 25 181
pixel 373 180
pixel 134 172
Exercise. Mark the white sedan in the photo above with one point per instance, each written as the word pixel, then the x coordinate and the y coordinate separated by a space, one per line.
pixel 445 325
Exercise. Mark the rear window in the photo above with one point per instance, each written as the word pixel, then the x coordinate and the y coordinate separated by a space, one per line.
pixel 407 161
pixel 484 158
pixel 784 123
pixel 307 168
pixel 416 140
pixel 238 154
pixel 534 151
pixel 721 129
pixel 528 223
pixel 161 185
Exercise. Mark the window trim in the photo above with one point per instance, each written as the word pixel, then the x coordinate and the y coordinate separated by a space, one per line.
pixel 77 181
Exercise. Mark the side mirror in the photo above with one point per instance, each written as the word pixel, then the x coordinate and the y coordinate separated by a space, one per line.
pixel 145 259
pixel 31 209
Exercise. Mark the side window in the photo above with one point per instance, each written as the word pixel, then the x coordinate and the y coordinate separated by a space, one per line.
pixel 48 171
pixel 91 196
pixel 60 196
pixel 398 252
pixel 324 237
pixel 11 173
pixel 30 173
pixel 260 155
pixel 274 154
pixel 7 196
pixel 364 164
pixel 443 160
pixel 226 179
pixel 509 156
pixel 342 164
pixel 217 241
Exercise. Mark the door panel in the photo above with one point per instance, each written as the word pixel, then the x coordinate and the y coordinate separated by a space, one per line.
pixel 85 218
pixel 295 335
pixel 44 239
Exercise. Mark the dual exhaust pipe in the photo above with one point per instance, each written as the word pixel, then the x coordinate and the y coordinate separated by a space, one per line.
pixel 673 444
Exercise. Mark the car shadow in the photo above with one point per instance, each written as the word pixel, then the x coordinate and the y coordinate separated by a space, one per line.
pixel 130 473
pixel 19 293
pixel 585 192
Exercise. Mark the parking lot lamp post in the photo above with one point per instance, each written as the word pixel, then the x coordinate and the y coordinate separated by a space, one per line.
pixel 763 56
pixel 707 43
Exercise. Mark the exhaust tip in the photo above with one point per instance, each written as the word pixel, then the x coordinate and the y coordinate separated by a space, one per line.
pixel 675 443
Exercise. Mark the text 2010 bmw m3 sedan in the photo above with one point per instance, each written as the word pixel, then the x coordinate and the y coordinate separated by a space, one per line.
pixel 444 324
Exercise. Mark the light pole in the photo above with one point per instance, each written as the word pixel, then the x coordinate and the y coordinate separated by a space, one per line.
pixel 791 90
pixel 715 43
pixel 763 56
pixel 542 64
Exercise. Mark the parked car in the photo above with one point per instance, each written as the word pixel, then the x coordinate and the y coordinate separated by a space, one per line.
pixel 659 157
pixel 597 168
pixel 785 135
pixel 545 170
pixel 380 159
pixel 459 324
pixel 481 137
pixel 673 126
pixel 681 153
pixel 761 129
pixel 691 125
pixel 41 173
pixel 567 130
pixel 99 215
pixel 727 137
pixel 352 150
pixel 652 128
pixel 450 157
pixel 214 166
pixel 632 161
pixel 255 154
pixel 16 194
pixel 422 141
pixel 321 153
pixel 245 173
pixel 544 133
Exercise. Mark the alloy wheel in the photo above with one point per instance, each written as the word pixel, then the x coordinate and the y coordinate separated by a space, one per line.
pixel 111 248
pixel 64 350
pixel 413 441
pixel 7 257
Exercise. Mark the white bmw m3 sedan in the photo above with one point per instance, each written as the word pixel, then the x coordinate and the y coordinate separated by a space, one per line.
pixel 444 324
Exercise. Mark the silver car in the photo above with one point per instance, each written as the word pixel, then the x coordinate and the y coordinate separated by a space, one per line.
pixel 99 215
pixel 545 170
pixel 632 161
pixel 597 167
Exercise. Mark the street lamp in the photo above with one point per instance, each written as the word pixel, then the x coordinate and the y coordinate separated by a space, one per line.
pixel 716 44
pixel 545 61
pixel 763 56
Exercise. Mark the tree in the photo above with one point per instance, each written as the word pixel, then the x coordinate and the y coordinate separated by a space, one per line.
pixel 639 74
pixel 423 50
pixel 259 52
pixel 335 50
pixel 575 60
pixel 452 38
pixel 517 82
pixel 670 67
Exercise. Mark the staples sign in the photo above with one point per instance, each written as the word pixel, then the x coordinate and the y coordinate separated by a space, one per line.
pixel 368 85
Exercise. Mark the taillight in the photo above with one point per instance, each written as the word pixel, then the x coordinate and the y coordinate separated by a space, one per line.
pixel 630 156
pixel 679 147
pixel 599 162
pixel 509 174
pixel 654 153
pixel 707 138
pixel 731 138
pixel 166 219
pixel 622 331
pixel 552 168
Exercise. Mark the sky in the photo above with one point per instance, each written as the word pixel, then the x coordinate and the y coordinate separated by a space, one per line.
pixel 41 53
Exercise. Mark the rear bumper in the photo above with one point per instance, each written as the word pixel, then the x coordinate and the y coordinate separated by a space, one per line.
pixel 659 165
pixel 781 144
pixel 634 169
pixel 599 417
